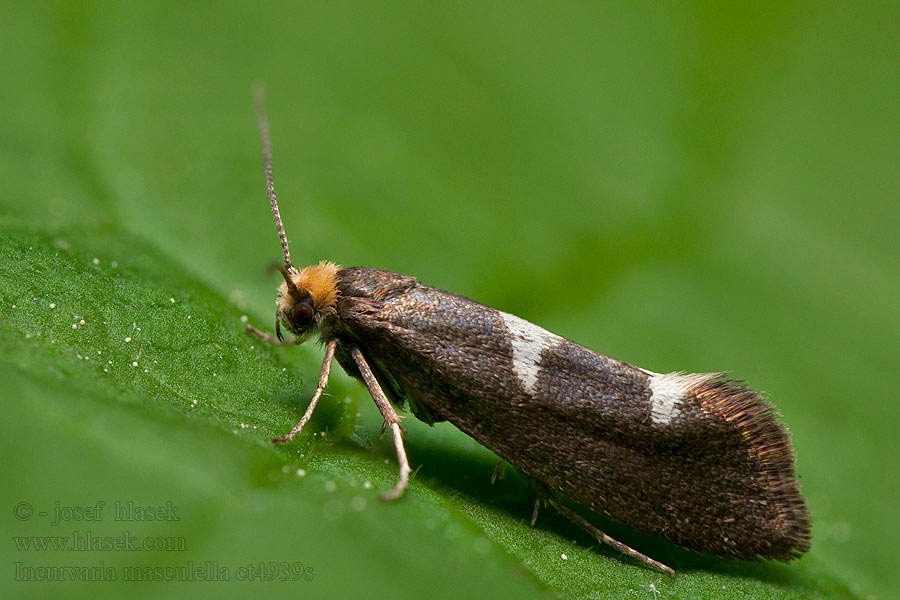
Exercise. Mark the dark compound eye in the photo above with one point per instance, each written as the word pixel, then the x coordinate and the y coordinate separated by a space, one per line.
pixel 302 314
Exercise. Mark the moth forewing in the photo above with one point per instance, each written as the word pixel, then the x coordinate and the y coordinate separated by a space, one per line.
pixel 696 459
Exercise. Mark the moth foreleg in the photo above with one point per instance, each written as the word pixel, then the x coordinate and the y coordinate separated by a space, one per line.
pixel 266 337
pixel 323 381
pixel 605 539
pixel 390 417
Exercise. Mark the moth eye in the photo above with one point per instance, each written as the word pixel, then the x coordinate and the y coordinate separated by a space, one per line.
pixel 302 314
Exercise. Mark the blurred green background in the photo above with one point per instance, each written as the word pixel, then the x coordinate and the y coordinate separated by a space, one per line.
pixel 682 186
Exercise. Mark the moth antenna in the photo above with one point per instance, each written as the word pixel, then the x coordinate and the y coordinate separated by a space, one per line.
pixel 259 105
pixel 293 290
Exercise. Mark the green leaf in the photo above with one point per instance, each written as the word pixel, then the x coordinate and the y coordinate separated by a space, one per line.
pixel 686 188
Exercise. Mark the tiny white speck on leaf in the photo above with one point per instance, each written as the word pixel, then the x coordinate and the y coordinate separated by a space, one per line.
pixel 98 351
pixel 27 336
pixel 172 300
pixel 244 318
pixel 74 325
pixel 81 322
pixel 301 472
pixel 134 364
pixel 53 305
pixel 564 556
pixel 367 484
pixel 96 261
pixel 127 340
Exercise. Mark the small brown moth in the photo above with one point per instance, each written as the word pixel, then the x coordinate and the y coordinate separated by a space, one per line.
pixel 696 459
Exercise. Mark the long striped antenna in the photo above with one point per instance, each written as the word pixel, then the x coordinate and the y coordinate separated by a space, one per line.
pixel 259 105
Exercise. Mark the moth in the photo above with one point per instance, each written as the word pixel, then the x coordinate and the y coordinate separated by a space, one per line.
pixel 696 459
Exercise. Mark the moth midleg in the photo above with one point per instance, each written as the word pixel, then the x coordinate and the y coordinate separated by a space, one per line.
pixel 323 381
pixel 499 471
pixel 534 513
pixel 390 417
pixel 605 539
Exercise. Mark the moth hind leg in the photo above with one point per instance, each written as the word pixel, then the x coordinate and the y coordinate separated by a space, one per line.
pixel 605 539
pixel 546 495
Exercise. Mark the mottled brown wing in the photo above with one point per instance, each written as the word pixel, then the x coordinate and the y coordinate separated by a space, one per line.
pixel 711 469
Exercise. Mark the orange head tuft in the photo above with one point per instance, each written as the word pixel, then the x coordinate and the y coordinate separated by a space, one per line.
pixel 306 297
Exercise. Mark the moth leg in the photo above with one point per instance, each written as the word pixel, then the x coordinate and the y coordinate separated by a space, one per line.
pixel 605 539
pixel 499 471
pixel 323 381
pixel 542 493
pixel 390 417
pixel 534 513
pixel 266 337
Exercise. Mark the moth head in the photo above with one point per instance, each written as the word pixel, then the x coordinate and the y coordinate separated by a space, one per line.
pixel 305 298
